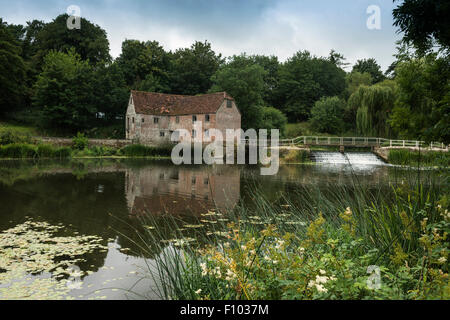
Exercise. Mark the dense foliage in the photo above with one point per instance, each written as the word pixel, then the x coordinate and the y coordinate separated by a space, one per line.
pixel 65 81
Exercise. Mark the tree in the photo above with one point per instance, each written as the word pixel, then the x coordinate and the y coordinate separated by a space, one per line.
pixel 337 59
pixel 192 69
pixel 327 115
pixel 273 119
pixel 422 108
pixel 64 92
pixel 304 79
pixel 90 41
pixel 355 80
pixel 139 59
pixel 111 93
pixel 370 66
pixel 424 23
pixel 12 71
pixel 371 106
pixel 271 65
pixel 244 81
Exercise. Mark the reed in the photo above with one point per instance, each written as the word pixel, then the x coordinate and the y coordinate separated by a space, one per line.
pixel 255 255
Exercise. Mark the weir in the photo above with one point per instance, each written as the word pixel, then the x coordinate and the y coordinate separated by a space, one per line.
pixel 346 158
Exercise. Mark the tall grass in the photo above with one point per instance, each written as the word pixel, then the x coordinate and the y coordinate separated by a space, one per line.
pixel 415 158
pixel 137 150
pixel 387 223
pixel 29 151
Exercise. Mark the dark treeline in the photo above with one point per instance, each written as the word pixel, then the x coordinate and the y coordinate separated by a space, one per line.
pixel 66 80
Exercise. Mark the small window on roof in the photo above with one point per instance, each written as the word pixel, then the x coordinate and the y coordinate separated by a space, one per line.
pixel 229 104
pixel 207 118
pixel 194 118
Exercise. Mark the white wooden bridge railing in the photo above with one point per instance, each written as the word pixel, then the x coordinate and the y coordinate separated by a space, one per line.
pixel 359 142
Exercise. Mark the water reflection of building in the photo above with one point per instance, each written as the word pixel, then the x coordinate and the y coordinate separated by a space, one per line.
pixel 181 190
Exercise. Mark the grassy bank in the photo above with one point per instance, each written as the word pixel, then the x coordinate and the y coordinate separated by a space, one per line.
pixel 292 156
pixel 415 158
pixel 310 245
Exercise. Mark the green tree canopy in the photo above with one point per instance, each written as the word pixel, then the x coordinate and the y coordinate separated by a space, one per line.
pixel 356 79
pixel 90 41
pixel 12 70
pixel 192 69
pixel 303 80
pixel 244 81
pixel 370 66
pixel 64 91
pixel 327 115
pixel 422 108
pixel 139 60
pixel 373 104
pixel 273 118
pixel 424 23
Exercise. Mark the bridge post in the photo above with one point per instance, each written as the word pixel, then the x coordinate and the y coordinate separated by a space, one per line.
pixel 341 149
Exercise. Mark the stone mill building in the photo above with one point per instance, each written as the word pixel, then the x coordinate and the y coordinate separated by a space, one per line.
pixel 152 118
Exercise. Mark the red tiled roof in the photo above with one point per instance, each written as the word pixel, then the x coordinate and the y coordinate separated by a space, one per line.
pixel 171 104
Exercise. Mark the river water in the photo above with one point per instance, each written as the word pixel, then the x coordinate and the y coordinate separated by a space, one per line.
pixel 107 198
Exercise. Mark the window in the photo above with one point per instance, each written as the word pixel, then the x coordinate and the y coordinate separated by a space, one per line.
pixel 161 134
pixel 229 104
pixel 206 133
pixel 132 120
pixel 143 120
pixel 194 118
pixel 207 118
pixel 194 180
pixel 206 181
pixel 155 120
pixel 177 119
pixel 194 133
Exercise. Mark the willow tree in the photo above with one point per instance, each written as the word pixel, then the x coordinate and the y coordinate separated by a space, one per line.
pixel 371 106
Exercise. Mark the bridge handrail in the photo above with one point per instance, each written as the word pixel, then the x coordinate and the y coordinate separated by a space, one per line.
pixel 358 141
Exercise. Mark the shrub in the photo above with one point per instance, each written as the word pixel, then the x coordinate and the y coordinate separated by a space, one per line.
pixel 273 119
pixel 9 136
pixel 137 150
pixel 62 153
pixel 18 150
pixel 45 151
pixel 295 156
pixel 80 141
pixel 327 115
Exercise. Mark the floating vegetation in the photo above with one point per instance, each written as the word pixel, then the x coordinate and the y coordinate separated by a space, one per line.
pixel 34 261
pixel 211 213
pixel 194 226
pixel 180 242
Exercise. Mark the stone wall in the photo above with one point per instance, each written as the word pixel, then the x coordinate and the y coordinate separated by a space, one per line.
pixel 67 142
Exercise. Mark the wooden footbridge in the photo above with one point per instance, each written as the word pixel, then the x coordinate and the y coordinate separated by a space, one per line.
pixel 361 142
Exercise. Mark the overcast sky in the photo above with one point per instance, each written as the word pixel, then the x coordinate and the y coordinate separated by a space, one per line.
pixel 268 27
